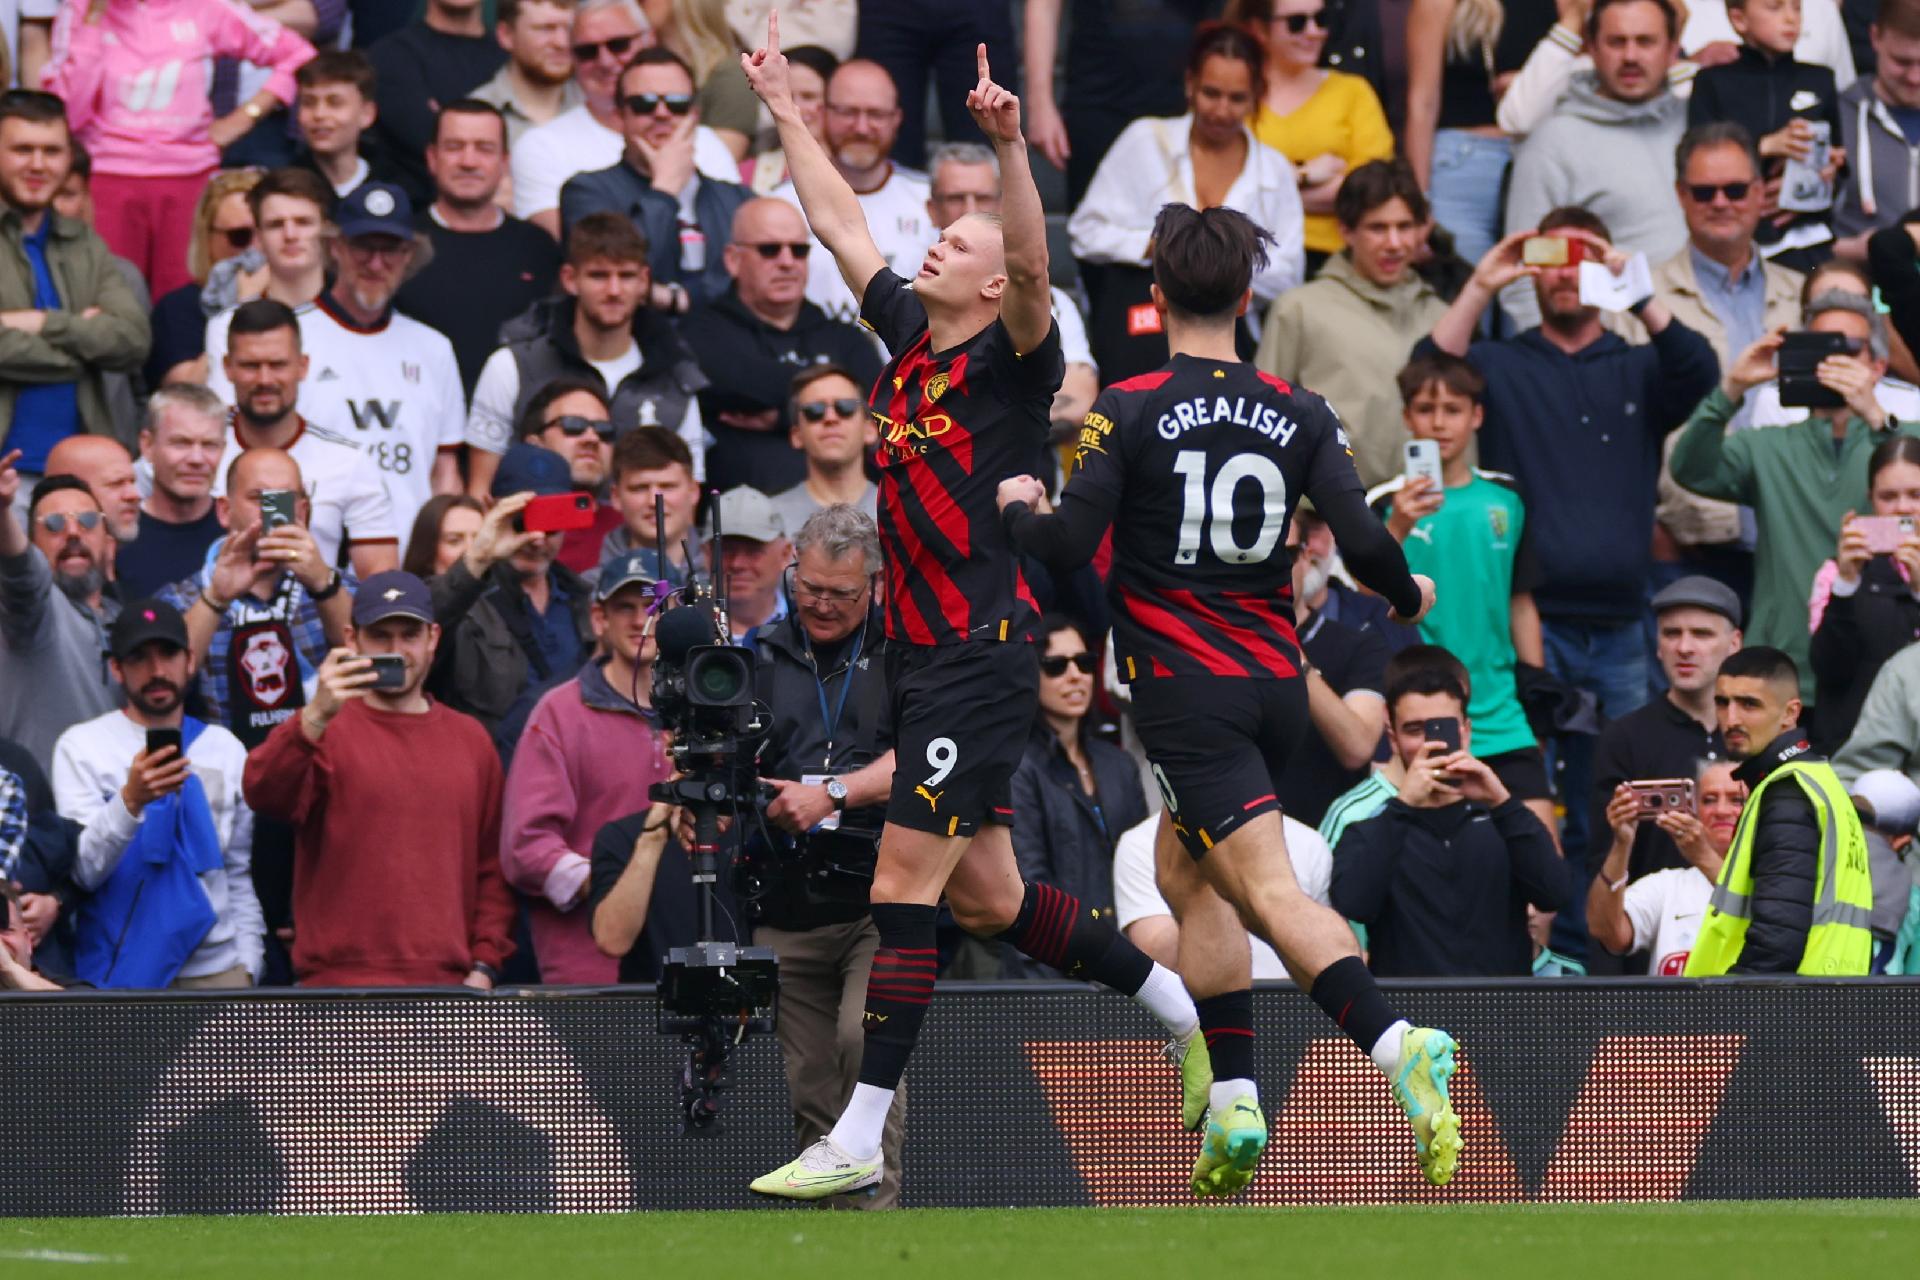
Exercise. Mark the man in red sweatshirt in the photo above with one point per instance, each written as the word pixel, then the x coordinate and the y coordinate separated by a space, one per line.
pixel 396 803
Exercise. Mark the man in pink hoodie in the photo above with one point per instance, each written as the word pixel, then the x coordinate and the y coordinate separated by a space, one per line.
pixel 135 75
pixel 590 751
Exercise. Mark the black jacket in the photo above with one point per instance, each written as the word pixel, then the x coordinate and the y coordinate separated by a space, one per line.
pixel 1064 836
pixel 1658 740
pixel 1857 634
pixel 1763 92
pixel 799 743
pixel 1444 892
pixel 488 664
pixel 749 366
pixel 1785 864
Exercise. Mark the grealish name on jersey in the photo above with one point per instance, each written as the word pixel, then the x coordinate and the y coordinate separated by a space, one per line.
pixel 1205 411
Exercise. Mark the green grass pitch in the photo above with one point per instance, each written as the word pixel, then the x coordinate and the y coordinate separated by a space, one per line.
pixel 1802 1240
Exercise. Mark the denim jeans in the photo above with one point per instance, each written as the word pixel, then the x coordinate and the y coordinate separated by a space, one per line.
pixel 1610 659
pixel 1468 189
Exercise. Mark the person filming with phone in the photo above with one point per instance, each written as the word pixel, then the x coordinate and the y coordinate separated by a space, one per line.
pixel 1802 481
pixel 395 799
pixel 166 838
pixel 1660 913
pixel 1443 875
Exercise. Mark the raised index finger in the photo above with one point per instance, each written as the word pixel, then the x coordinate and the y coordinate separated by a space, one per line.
pixel 986 72
pixel 773 31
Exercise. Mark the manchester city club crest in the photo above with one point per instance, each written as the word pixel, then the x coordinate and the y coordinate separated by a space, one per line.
pixel 936 386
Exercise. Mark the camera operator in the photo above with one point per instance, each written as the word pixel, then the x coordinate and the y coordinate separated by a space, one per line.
pixel 821 672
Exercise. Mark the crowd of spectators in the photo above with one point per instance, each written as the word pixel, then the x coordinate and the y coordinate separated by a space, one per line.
pixel 302 305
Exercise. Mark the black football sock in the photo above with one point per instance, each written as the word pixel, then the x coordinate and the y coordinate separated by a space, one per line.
pixel 1347 992
pixel 898 990
pixel 1054 929
pixel 1227 1021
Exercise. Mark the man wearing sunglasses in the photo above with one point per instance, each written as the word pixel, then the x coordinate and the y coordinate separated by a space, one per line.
pixel 976 363
pixel 606 36
pixel 753 338
pixel 570 417
pixel 687 218
pixel 833 431
pixel 447 54
pixel 53 672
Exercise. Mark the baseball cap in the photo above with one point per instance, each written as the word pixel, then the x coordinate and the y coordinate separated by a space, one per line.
pixel 642 564
pixel 393 594
pixel 528 468
pixel 1894 797
pixel 1699 592
pixel 749 513
pixel 145 620
pixel 375 209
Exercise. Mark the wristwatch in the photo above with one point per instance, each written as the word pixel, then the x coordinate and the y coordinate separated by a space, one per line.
pixel 837 792
pixel 253 110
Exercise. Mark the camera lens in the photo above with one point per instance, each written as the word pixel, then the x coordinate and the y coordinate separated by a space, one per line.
pixel 719 678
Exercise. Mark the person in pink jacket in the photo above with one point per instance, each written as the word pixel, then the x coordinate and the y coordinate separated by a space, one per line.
pixel 587 757
pixel 135 76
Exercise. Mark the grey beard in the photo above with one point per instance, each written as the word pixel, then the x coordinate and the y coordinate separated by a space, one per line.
pixel 81 587
pixel 1315 581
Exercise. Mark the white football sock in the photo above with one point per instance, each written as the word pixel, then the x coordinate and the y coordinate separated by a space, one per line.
pixel 858 1131
pixel 1227 1092
pixel 1386 1050
pixel 1165 997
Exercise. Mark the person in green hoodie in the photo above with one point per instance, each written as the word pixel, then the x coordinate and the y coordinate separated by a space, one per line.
pixel 1348 331
pixel 1802 481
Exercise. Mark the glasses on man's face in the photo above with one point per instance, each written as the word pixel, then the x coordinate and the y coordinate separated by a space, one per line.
pixel 1703 192
pixel 816 410
pixel 770 249
pixel 619 47
pixel 574 426
pixel 389 249
pixel 645 104
pixel 56 522
pixel 1295 23
pixel 1057 664
pixel 871 115
pixel 833 597
pixel 237 238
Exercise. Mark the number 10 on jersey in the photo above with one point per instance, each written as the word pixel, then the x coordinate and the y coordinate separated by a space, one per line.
pixel 1213 506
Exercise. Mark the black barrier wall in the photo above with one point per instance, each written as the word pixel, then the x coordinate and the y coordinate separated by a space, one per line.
pixel 300 1102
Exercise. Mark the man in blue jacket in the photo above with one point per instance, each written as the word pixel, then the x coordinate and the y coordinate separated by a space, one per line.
pixel 1578 416
pixel 686 218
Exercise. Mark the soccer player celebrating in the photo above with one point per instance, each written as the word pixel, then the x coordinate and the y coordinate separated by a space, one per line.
pixel 1207 458
pixel 962 405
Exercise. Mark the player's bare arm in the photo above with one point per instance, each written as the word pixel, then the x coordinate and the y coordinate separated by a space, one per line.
pixel 832 208
pixel 1025 307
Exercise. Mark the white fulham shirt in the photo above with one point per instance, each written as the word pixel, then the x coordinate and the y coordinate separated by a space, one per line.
pixel 1666 909
pixel 896 216
pixel 393 389
pixel 347 495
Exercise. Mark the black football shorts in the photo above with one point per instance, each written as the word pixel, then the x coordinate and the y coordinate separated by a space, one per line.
pixel 1217 745
pixel 961 716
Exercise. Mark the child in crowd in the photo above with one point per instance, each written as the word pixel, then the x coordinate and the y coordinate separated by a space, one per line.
pixel 134 75
pixel 1779 100
pixel 1469 535
pixel 335 110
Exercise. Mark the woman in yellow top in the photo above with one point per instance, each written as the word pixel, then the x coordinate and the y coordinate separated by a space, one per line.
pixel 1327 122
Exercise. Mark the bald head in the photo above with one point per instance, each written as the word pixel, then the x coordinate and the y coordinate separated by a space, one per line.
pixel 863 116
pixel 107 467
pixel 767 258
pixel 263 469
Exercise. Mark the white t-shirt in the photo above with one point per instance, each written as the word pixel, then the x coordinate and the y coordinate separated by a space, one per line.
pixel 1136 895
pixel 90 766
pixel 1901 399
pixel 349 499
pixel 574 142
pixel 1666 909
pixel 490 423
pixel 395 389
pixel 897 217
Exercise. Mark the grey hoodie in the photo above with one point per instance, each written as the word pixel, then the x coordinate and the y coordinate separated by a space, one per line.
pixel 1882 180
pixel 1613 158
pixel 53 663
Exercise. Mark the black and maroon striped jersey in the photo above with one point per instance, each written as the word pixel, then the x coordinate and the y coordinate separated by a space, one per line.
pixel 953 425
pixel 1201 464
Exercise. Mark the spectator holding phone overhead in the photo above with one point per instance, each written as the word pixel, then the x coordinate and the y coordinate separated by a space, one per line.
pixel 1801 481
pixel 1863 609
pixel 1443 875
pixel 1660 913
pixel 167 841
pixel 354 771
